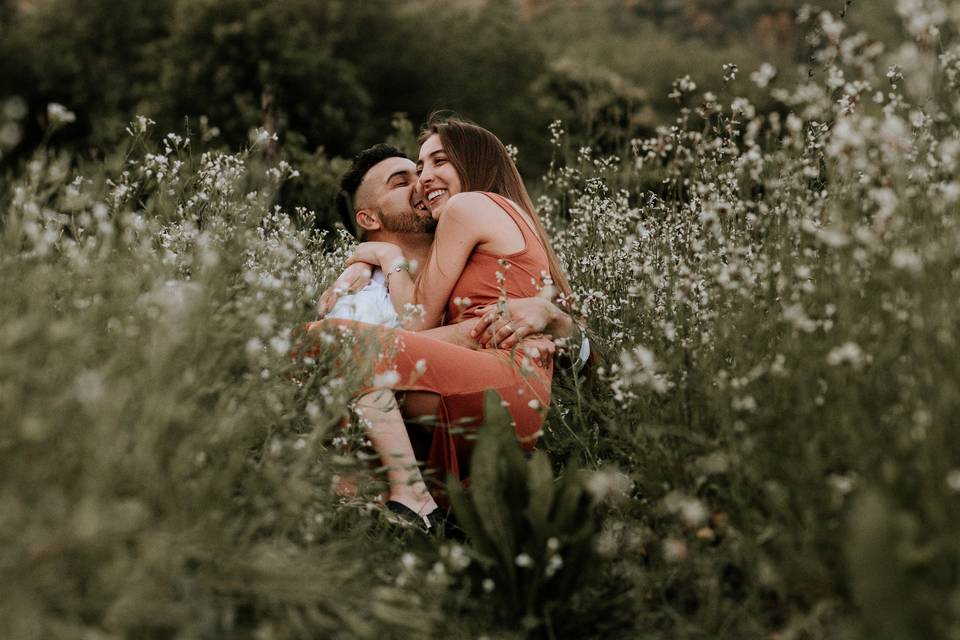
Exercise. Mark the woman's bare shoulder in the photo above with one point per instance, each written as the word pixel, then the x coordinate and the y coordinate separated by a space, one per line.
pixel 471 204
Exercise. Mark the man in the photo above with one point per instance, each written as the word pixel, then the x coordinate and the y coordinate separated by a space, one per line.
pixel 379 201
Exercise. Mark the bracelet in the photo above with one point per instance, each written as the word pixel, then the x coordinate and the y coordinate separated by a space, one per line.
pixel 401 266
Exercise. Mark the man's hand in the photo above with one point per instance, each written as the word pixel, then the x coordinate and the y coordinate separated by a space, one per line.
pixel 517 319
pixel 354 278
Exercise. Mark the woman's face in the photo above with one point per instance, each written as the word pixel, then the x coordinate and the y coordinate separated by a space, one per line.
pixel 438 178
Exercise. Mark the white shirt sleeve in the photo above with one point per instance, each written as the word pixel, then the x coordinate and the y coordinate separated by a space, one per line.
pixel 371 304
pixel 584 355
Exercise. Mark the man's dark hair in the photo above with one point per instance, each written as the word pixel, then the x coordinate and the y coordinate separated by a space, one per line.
pixel 350 182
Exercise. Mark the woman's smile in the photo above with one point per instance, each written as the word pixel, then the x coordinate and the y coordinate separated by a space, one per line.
pixel 438 178
pixel 435 197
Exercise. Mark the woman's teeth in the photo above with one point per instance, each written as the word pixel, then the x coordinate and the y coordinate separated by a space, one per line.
pixel 433 195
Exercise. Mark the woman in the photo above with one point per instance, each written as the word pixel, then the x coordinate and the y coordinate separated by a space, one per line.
pixel 489 246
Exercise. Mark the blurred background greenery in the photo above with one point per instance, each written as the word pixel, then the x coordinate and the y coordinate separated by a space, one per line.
pixel 328 76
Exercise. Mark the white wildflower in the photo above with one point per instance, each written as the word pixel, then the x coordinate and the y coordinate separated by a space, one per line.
pixel 554 564
pixel 57 114
pixel 763 76
pixel 841 484
pixel 691 510
pixel 906 260
pixel 609 483
pixel 848 353
pixel 953 480
pixel 387 379
pixel 674 550
pixel 280 344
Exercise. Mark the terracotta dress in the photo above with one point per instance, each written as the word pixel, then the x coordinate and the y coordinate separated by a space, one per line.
pixel 459 375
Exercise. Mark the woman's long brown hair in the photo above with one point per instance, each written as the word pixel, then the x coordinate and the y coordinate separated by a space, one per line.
pixel 483 164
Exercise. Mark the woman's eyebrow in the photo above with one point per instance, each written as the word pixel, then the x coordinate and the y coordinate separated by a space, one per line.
pixel 420 162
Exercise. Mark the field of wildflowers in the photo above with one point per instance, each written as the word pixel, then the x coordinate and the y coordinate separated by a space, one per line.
pixel 767 449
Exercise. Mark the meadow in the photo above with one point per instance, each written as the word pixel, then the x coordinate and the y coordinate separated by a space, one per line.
pixel 767 448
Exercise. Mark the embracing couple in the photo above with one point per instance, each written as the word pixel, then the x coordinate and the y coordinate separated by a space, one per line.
pixel 454 237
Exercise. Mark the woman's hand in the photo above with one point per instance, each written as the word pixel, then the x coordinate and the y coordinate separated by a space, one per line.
pixel 354 278
pixel 377 254
pixel 540 348
pixel 517 319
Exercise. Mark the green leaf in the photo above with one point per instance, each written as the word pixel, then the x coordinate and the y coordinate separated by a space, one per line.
pixel 880 584
pixel 469 520
pixel 541 491
pixel 569 512
pixel 486 481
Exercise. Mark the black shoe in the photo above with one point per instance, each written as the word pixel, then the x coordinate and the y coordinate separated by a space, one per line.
pixel 442 523
pixel 408 516
pixel 438 521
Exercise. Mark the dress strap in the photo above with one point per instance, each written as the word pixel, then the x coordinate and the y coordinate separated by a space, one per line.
pixel 516 216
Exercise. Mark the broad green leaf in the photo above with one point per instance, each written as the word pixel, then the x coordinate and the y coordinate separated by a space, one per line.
pixel 469 520
pixel 568 513
pixel 486 482
pixel 541 491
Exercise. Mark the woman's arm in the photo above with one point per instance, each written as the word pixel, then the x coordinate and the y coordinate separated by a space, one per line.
pixel 463 225
pixel 385 255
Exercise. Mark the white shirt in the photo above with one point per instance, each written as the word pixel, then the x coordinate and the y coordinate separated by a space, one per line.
pixel 371 304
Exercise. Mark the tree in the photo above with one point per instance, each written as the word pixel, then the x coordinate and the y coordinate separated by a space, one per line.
pixel 98 57
pixel 225 56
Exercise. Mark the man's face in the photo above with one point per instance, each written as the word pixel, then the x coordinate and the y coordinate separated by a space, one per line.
pixel 389 192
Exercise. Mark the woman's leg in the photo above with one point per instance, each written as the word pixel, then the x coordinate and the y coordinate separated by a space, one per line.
pixel 384 425
pixel 436 361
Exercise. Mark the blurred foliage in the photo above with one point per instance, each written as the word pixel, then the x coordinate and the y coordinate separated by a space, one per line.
pixel 329 76
pixel 101 59
pixel 773 276
pixel 229 59
pixel 603 111
pixel 532 536
pixel 162 454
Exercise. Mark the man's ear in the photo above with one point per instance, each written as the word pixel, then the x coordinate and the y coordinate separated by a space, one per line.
pixel 368 220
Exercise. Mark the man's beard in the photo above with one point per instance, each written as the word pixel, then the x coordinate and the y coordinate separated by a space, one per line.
pixel 408 222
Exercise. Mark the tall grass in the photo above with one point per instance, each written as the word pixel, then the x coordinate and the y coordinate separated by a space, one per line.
pixel 161 456
pixel 774 293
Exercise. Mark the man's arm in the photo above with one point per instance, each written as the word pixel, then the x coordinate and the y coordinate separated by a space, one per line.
pixel 459 333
